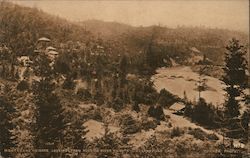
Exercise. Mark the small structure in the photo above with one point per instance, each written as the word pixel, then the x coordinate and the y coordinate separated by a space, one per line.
pixel 177 108
pixel 131 77
pixel 50 48
pixel 52 54
pixel 42 43
pixel 194 49
pixel 43 39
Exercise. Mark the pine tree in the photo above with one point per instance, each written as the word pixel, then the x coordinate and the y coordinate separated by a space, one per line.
pixel 74 132
pixel 49 118
pixel 6 136
pixel 201 83
pixel 235 76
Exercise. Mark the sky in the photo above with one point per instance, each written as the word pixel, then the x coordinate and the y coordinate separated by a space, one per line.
pixel 227 14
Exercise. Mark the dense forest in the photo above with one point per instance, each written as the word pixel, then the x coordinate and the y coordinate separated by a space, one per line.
pixel 59 80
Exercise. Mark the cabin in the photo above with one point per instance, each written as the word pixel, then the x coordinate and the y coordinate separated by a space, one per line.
pixel 42 43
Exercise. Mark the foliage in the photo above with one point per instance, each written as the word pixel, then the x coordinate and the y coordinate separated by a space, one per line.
pixel 176 132
pixel 107 145
pixel 6 125
pixel 144 93
pixel 117 104
pixel 74 131
pixel 202 113
pixel 166 98
pixel 245 119
pixel 130 125
pixel 156 112
pixel 68 83
pixel 235 76
pixel 148 124
pixel 20 32
pixel 83 94
pixel 200 134
pixel 23 85
pixel 49 111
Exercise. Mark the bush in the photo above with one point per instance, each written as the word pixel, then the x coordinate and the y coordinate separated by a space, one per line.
pixel 129 124
pixel 136 107
pixel 212 137
pixel 145 93
pixel 98 98
pixel 188 110
pixel 198 133
pixel 148 124
pixel 23 85
pixel 156 112
pixel 68 84
pixel 95 114
pixel 176 132
pixel 117 104
pixel 203 113
pixel 166 98
pixel 83 94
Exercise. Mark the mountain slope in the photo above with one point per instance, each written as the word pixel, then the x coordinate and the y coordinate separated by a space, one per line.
pixel 22 26
pixel 176 42
pixel 105 29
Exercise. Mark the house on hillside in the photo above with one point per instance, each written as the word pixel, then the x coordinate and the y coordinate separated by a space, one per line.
pixel 52 55
pixel 50 48
pixel 42 44
pixel 177 108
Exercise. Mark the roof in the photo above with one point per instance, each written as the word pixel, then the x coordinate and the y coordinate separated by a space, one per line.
pixel 131 77
pixel 52 52
pixel 194 49
pixel 22 58
pixel 177 106
pixel 44 39
pixel 50 48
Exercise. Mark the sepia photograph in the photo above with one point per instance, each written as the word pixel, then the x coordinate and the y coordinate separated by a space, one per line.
pixel 124 79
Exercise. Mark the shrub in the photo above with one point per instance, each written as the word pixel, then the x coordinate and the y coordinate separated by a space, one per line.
pixel 96 114
pixel 176 132
pixel 144 93
pixel 136 107
pixel 83 94
pixel 203 113
pixel 117 104
pixel 129 124
pixel 98 98
pixel 23 85
pixel 156 112
pixel 68 84
pixel 198 133
pixel 166 98
pixel 188 110
pixel 148 124
pixel 212 137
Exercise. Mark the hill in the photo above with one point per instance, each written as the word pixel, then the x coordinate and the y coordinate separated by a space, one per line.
pixel 22 26
pixel 176 42
pixel 105 29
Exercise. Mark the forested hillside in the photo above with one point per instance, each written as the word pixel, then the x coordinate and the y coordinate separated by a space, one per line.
pixel 176 42
pixel 105 89
pixel 22 26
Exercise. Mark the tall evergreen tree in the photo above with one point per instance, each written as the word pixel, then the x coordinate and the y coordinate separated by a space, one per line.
pixel 6 137
pixel 49 118
pixel 235 76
